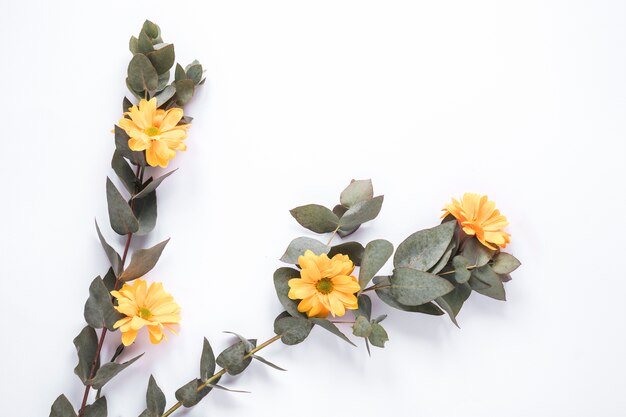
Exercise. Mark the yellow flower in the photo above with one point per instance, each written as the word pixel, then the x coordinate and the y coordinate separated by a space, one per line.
pixel 145 306
pixel 325 285
pixel 156 131
pixel 478 216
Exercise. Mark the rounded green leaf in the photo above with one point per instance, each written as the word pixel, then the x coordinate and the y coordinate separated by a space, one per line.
pixel 142 76
pixel 505 263
pixel 377 252
pixel 281 284
pixel 316 218
pixel 413 287
pixel 357 191
pixel 423 249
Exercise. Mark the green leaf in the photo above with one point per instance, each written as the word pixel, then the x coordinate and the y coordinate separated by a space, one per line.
pixel 450 250
pixel 340 210
pixel 86 346
pixel 354 250
pixel 126 105
pixel 316 218
pixel 151 29
pixel 207 361
pixel 452 302
pixel 97 409
pixel 142 76
pixel 162 59
pixel 294 330
pixel 142 261
pixel 477 253
pixel 167 93
pixel 121 144
pixel 378 336
pixel 155 399
pixel 299 245
pixel 266 362
pixel 361 327
pixel 114 257
pixel 487 276
pixel 325 324
pixel 152 185
pixel 460 265
pixel 365 307
pixel 108 371
pixel 377 252
pixel 121 216
pixel 281 280
pixel 144 43
pixel 184 91
pixel 99 311
pixel 228 389
pixel 413 287
pixel 505 263
pixel 356 192
pixel 188 394
pixel 385 296
pixel 232 358
pixel 361 212
pixel 423 249
pixel 109 280
pixel 62 408
pixel 124 172
pixel 194 73
pixel 145 210
pixel 133 45
pixel 179 74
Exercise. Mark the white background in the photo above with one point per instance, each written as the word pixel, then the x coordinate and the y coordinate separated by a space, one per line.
pixel 523 101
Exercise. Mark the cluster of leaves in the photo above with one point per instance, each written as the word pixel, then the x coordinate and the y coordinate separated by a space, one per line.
pixel 132 211
pixel 149 70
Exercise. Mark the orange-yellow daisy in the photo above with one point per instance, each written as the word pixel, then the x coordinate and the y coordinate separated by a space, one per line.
pixel 155 131
pixel 325 285
pixel 148 306
pixel 478 216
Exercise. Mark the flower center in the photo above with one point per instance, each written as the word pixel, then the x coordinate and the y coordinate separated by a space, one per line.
pixel 144 313
pixel 324 285
pixel 152 131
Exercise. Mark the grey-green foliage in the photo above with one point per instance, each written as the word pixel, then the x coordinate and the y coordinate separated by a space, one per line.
pixel 354 250
pixel 233 359
pixel 99 311
pixel 189 395
pixel 121 145
pixel 452 302
pixel 152 185
pixel 281 284
pixel 356 192
pixel 414 287
pixel 486 275
pixel 124 172
pixel 461 272
pixel 384 293
pixel 86 346
pixel 316 218
pixel 422 250
pixel 114 257
pixel 97 409
pixel 293 330
pixel 145 210
pixel 155 400
pixel 121 216
pixel 207 361
pixel 477 253
pixel 505 263
pixel 299 245
pixel 376 254
pixel 62 408
pixel 370 330
pixel 329 326
pixel 108 371
pixel 142 261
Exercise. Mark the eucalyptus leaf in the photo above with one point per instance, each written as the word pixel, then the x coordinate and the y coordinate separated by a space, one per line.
pixel 232 358
pixel 162 59
pixel 340 210
pixel 124 172
pixel 145 210
pixel 378 336
pixel 142 76
pixel 299 245
pixel 294 330
pixel 385 296
pixel 266 362
pixel 505 263
pixel 110 280
pixel 133 45
pixel 164 79
pixel 413 287
pixel 354 250
pixel 488 276
pixel 99 311
pixel 325 324
pixel 460 265
pixel 207 361
pixel 97 409
pixel 121 144
pixel 155 399
pixel 188 394
pixel 62 408
pixel 184 91
pixel 167 93
pixel 316 218
pixel 281 284
pixel 423 249
pixel 365 307
pixel 361 327
pixel 86 346
pixel 452 302
pixel 114 257
pixel 108 371
pixel 121 216
pixel 126 105
pixel 142 261
pixel 356 192
pixel 361 212
pixel 450 250
pixel 477 253
pixel 377 252
pixel 151 29
pixel 228 389
pixel 179 73
pixel 152 185
pixel 144 43
pixel 194 73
